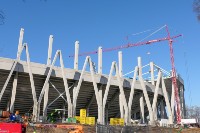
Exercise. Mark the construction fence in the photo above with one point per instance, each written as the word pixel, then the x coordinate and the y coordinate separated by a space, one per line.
pixel 132 129
pixel 102 129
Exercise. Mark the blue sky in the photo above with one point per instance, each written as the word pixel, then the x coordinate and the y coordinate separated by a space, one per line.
pixel 106 23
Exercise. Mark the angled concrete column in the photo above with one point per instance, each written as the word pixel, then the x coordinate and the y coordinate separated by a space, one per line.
pixel 12 101
pixel 58 53
pixel 142 108
pixel 13 93
pixel 32 82
pixel 46 94
pixel 145 92
pixel 154 107
pixel 46 97
pixel 168 107
pixel 113 98
pixel 130 101
pixel 89 104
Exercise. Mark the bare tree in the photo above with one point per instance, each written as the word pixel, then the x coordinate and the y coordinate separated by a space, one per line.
pixel 196 8
pixel 193 112
pixel 2 17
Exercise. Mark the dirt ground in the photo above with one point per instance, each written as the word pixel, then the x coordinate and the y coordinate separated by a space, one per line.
pixel 92 129
pixel 188 130
pixel 86 129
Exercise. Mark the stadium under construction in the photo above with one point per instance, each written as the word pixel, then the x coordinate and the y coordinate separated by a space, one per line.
pixel 40 88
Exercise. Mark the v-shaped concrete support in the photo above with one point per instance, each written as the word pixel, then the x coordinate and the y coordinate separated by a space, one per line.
pixel 115 67
pixel 151 108
pixel 58 53
pixel 160 79
pixel 30 75
pixel 97 94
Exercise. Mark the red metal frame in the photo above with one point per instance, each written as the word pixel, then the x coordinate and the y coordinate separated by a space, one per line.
pixel 174 82
pixel 11 128
pixel 128 45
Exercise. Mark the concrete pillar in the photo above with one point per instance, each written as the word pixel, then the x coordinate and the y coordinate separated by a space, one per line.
pixel 76 55
pixel 100 60
pixel 156 114
pixel 120 63
pixel 100 108
pixel 165 113
pixel 142 109
pixel 140 65
pixel 135 116
pixel 21 36
pixel 121 75
pixel 8 104
pixel 13 93
pixel 182 101
pixel 152 73
pixel 121 106
pixel 50 50
pixel 101 118
pixel 175 117
pixel 63 115
pixel 74 91
pixel 107 116
pixel 172 101
pixel 74 108
pixel 145 92
pixel 162 108
pixel 46 97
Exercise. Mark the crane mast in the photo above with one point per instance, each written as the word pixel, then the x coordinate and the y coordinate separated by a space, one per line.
pixel 174 81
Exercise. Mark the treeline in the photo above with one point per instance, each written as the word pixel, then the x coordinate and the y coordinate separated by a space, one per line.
pixel 193 112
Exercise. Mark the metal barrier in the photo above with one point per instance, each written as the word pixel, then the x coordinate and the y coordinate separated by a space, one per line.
pixel 103 129
pixel 132 129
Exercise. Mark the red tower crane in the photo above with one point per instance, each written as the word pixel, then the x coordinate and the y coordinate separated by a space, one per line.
pixel 170 40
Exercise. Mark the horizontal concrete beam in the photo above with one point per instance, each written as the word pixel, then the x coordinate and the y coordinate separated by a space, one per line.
pixel 41 69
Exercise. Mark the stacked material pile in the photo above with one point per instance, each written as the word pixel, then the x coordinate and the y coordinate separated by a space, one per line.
pixel 85 120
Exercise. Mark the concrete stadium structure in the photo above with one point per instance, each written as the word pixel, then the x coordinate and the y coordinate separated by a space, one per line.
pixel 41 88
